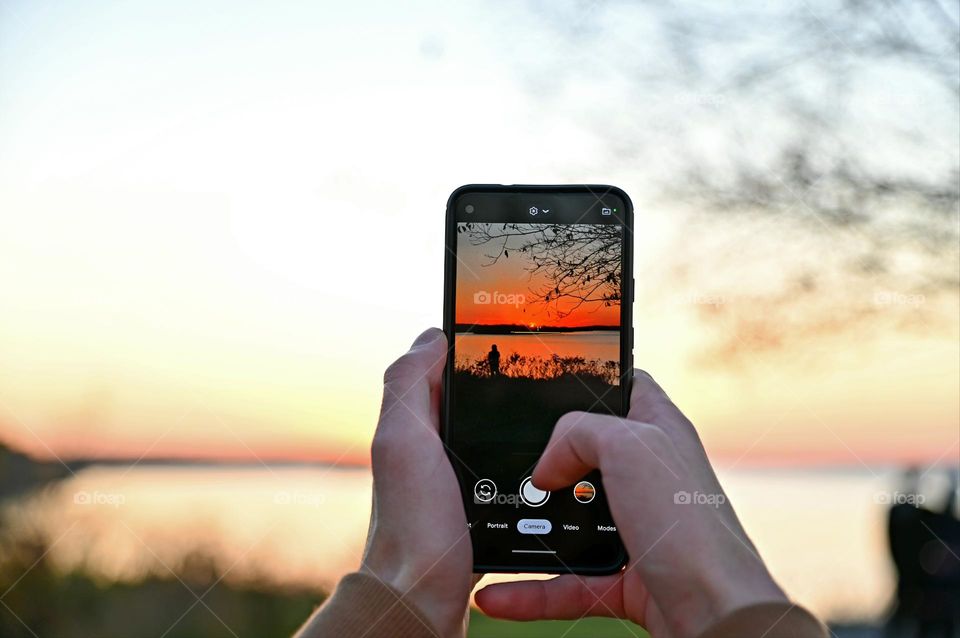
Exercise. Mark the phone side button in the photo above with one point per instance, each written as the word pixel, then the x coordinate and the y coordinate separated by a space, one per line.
pixel 534 526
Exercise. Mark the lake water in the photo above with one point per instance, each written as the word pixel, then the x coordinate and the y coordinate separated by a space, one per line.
pixel 599 344
pixel 822 532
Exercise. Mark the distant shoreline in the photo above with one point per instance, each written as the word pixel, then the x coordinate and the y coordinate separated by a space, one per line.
pixel 503 329
pixel 20 472
pixel 211 463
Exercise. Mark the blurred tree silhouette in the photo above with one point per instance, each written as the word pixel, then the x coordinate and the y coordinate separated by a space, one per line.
pixel 839 119
pixel 823 168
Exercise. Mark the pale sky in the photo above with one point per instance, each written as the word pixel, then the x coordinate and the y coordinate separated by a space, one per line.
pixel 219 224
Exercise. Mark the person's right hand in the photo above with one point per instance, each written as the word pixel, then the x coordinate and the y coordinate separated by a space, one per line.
pixel 691 562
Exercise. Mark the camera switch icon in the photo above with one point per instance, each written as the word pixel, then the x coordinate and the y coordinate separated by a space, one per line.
pixel 485 490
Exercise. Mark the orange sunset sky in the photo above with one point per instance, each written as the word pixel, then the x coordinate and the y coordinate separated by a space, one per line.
pixel 213 241
pixel 476 272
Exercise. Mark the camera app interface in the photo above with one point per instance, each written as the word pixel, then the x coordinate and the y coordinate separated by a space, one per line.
pixel 537 334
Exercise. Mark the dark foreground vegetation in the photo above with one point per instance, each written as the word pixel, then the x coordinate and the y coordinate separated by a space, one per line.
pixel 42 602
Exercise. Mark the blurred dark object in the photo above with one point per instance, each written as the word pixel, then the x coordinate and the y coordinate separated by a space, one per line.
pixel 925 547
pixel 19 473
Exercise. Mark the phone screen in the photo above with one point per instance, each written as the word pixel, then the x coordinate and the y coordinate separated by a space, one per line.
pixel 535 305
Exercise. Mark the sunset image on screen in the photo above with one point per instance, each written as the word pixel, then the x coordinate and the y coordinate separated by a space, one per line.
pixel 537 331
pixel 537 327
pixel 538 301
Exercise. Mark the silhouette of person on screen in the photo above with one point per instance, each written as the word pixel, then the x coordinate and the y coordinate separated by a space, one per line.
pixel 493 358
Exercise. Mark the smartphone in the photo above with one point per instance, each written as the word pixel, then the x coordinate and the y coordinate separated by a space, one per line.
pixel 537 310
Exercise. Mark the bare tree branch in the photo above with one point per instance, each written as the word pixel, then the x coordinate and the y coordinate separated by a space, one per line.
pixel 581 263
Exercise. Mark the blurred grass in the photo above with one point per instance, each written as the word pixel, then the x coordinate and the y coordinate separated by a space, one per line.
pixel 483 627
pixel 41 600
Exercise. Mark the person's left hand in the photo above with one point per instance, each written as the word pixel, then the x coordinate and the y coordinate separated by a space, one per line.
pixel 418 541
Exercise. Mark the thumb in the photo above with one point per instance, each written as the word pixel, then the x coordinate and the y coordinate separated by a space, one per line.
pixel 408 380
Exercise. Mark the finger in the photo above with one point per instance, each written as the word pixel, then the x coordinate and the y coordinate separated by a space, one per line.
pixel 573 450
pixel 627 452
pixel 650 404
pixel 562 598
pixel 648 401
pixel 408 381
pixel 576 443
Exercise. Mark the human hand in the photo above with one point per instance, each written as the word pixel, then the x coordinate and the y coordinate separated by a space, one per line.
pixel 690 563
pixel 418 541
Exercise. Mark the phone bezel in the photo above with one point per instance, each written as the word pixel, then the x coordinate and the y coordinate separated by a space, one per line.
pixel 626 328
